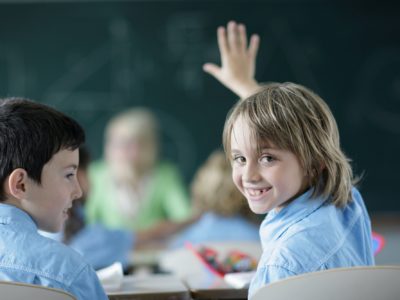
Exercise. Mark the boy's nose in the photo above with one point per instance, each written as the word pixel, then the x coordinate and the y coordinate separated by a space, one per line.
pixel 78 191
pixel 251 173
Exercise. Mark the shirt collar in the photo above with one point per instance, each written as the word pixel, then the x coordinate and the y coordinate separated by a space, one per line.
pixel 277 223
pixel 12 215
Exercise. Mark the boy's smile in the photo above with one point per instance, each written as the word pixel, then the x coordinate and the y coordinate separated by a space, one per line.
pixel 269 178
pixel 256 193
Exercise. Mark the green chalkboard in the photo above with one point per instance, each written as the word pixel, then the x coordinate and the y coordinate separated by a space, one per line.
pixel 93 59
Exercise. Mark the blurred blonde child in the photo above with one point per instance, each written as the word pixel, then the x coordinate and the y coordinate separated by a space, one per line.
pixel 225 215
pixel 131 189
pixel 102 246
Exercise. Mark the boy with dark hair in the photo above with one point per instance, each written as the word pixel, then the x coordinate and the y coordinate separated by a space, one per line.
pixel 38 165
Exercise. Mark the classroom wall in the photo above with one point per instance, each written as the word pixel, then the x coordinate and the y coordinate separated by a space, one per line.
pixel 93 59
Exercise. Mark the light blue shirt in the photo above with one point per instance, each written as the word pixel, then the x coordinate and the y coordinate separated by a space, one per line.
pixel 26 256
pixel 101 246
pixel 212 227
pixel 310 235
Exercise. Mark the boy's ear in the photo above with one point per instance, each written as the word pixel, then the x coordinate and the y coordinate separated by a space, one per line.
pixel 16 183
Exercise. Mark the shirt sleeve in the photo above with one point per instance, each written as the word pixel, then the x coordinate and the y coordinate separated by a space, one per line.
pixel 87 286
pixel 268 274
pixel 102 247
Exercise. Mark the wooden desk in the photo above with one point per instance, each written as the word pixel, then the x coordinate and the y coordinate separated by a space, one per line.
pixel 201 282
pixel 197 282
pixel 183 263
pixel 213 287
pixel 150 287
pixel 144 257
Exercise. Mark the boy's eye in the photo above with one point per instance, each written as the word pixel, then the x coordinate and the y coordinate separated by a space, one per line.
pixel 266 159
pixel 70 175
pixel 239 159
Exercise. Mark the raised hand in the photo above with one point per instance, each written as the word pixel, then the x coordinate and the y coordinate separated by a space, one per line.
pixel 238 60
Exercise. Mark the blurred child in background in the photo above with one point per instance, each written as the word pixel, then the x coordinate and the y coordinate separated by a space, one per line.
pixel 131 189
pixel 100 245
pixel 225 215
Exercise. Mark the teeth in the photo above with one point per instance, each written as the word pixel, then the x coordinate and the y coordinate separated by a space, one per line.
pixel 256 192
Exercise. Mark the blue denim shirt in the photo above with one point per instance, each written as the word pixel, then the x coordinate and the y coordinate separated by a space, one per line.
pixel 310 235
pixel 26 256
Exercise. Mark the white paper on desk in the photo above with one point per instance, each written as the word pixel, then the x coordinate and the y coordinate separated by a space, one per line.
pixel 111 277
pixel 239 280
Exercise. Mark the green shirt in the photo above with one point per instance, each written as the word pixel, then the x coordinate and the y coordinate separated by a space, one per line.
pixel 166 199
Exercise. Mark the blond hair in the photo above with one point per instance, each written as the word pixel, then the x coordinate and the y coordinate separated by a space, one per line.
pixel 213 188
pixel 294 118
pixel 139 123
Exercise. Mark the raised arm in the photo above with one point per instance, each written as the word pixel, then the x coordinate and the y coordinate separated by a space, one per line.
pixel 238 60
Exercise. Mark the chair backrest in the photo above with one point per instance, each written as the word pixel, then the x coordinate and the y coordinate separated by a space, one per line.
pixel 365 283
pixel 17 291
